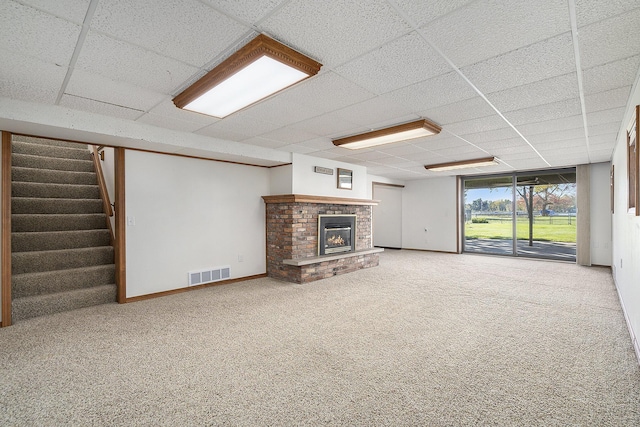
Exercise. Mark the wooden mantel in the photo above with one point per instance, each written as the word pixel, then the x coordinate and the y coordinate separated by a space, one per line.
pixel 302 198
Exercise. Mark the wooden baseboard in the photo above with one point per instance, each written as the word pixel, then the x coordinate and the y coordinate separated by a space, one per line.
pixel 430 250
pixel 635 342
pixel 193 288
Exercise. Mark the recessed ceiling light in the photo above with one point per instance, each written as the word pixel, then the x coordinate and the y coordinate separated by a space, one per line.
pixel 259 69
pixel 403 132
pixel 486 161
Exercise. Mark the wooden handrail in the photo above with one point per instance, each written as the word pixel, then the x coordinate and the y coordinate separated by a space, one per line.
pixel 104 194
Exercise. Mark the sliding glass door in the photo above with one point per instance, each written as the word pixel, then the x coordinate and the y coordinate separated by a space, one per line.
pixel 529 214
pixel 488 215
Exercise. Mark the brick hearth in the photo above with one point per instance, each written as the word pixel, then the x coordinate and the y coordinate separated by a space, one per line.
pixel 292 234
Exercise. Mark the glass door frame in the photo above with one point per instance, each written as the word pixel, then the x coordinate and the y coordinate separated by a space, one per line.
pixel 514 184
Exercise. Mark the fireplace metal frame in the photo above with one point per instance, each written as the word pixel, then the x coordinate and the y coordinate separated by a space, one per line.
pixel 353 230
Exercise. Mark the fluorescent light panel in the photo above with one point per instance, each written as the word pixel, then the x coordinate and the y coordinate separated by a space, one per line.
pixel 256 71
pixel 403 132
pixel 486 161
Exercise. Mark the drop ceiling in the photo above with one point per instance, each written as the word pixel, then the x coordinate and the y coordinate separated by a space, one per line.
pixel 538 84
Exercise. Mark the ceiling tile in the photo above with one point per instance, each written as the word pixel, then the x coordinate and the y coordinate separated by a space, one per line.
pixel 417 12
pixel 327 154
pixel 264 142
pixel 458 153
pixel 565 143
pixel 297 148
pixel 487 28
pixel 611 76
pixel 441 141
pixel 329 125
pixel 569 134
pixel 98 107
pixel 609 40
pixel 607 100
pixel 485 140
pixel 327 92
pixel 283 109
pixel 473 126
pixel 590 11
pixel 605 128
pixel 215 132
pixel 541 113
pixel 541 92
pixel 167 108
pixel 523 155
pixel 349 159
pixel 121 61
pixel 249 11
pixel 99 88
pixel 319 28
pixel 375 112
pixel 182 29
pixel 401 149
pixel 15 90
pixel 438 91
pixel 605 116
pixel 42 83
pixel 559 152
pixel 397 64
pixel 539 61
pixel 553 125
pixel 289 135
pixel 528 164
pixel 22 31
pixel 71 10
pixel 468 109
pixel 607 139
pixel 425 156
pixel 318 143
pixel 238 124
pixel 368 156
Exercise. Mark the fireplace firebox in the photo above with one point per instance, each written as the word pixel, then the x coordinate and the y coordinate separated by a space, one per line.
pixel 336 234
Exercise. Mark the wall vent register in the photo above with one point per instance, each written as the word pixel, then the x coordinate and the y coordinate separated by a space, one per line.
pixel 209 275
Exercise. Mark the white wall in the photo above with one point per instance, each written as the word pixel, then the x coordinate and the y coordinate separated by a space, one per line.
pixel 306 181
pixel 191 214
pixel 626 232
pixel 600 210
pixel 387 216
pixel 0 233
pixel 281 179
pixel 430 204
pixel 381 179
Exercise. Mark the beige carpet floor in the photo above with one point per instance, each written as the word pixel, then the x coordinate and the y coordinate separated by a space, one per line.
pixel 424 339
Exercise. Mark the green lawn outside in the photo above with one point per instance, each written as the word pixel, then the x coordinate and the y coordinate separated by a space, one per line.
pixel 552 229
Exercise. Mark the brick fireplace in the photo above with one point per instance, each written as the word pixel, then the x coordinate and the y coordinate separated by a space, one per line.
pixel 292 237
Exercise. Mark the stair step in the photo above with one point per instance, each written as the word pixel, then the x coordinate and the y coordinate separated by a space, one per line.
pixel 80 153
pixel 49 142
pixel 52 176
pixel 31 205
pixel 39 162
pixel 47 282
pixel 54 240
pixel 42 305
pixel 63 191
pixel 62 259
pixel 57 222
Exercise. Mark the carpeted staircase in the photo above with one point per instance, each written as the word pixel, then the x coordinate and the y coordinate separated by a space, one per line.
pixel 62 258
